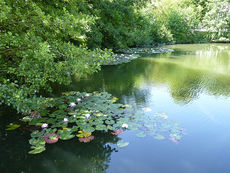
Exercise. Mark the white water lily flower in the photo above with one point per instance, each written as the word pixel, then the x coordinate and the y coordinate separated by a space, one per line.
pixel 147 109
pixel 125 125
pixel 65 120
pixel 87 116
pixel 87 95
pixel 165 117
pixel 45 125
pixel 74 116
pixel 79 100
pixel 72 104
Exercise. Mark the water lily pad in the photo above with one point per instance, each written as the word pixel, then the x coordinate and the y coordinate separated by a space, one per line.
pixel 37 120
pixel 176 136
pixel 159 137
pixel 101 127
pixel 36 133
pixel 65 135
pixel 83 134
pixel 141 134
pixel 26 119
pixel 109 122
pixel 89 129
pixel 37 149
pixel 109 127
pixel 122 144
pixel 37 141
pixel 12 126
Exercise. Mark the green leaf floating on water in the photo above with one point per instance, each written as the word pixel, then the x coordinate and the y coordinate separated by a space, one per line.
pixel 109 122
pixel 37 120
pixel 159 137
pixel 176 136
pixel 65 135
pixel 12 126
pixel 133 126
pixel 141 134
pixel 101 127
pixel 36 134
pixel 109 127
pixel 37 149
pixel 37 141
pixel 88 129
pixel 122 144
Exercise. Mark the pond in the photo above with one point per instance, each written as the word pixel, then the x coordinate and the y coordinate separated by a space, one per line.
pixel 190 85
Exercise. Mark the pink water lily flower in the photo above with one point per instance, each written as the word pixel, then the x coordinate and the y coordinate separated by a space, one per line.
pixel 174 140
pixel 117 132
pixel 51 138
pixel 86 139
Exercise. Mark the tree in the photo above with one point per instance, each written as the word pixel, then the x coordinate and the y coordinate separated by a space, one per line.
pixel 43 43
pixel 217 19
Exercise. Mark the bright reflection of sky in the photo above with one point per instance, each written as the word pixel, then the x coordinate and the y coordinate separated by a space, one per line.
pixel 205 147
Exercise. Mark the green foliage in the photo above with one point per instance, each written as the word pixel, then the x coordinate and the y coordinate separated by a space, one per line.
pixel 175 20
pixel 217 19
pixel 43 43
pixel 179 27
pixel 118 24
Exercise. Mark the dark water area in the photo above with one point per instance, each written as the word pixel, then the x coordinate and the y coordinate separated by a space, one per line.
pixel 190 85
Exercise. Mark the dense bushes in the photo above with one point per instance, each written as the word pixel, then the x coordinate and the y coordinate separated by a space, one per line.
pixel 42 43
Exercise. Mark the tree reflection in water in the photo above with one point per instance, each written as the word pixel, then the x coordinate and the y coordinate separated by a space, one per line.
pixel 187 72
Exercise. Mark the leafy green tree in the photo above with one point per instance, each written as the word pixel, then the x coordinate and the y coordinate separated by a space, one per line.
pixel 217 19
pixel 42 43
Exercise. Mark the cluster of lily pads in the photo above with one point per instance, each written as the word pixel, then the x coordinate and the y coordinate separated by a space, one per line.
pixel 74 114
pixel 144 50
pixel 80 115
pixel 121 58
pixel 144 123
pixel 129 54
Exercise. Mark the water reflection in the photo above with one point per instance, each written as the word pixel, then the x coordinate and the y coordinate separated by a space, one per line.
pixel 192 74
pixel 65 156
pixel 187 72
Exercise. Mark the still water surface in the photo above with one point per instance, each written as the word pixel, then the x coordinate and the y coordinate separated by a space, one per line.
pixel 191 85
